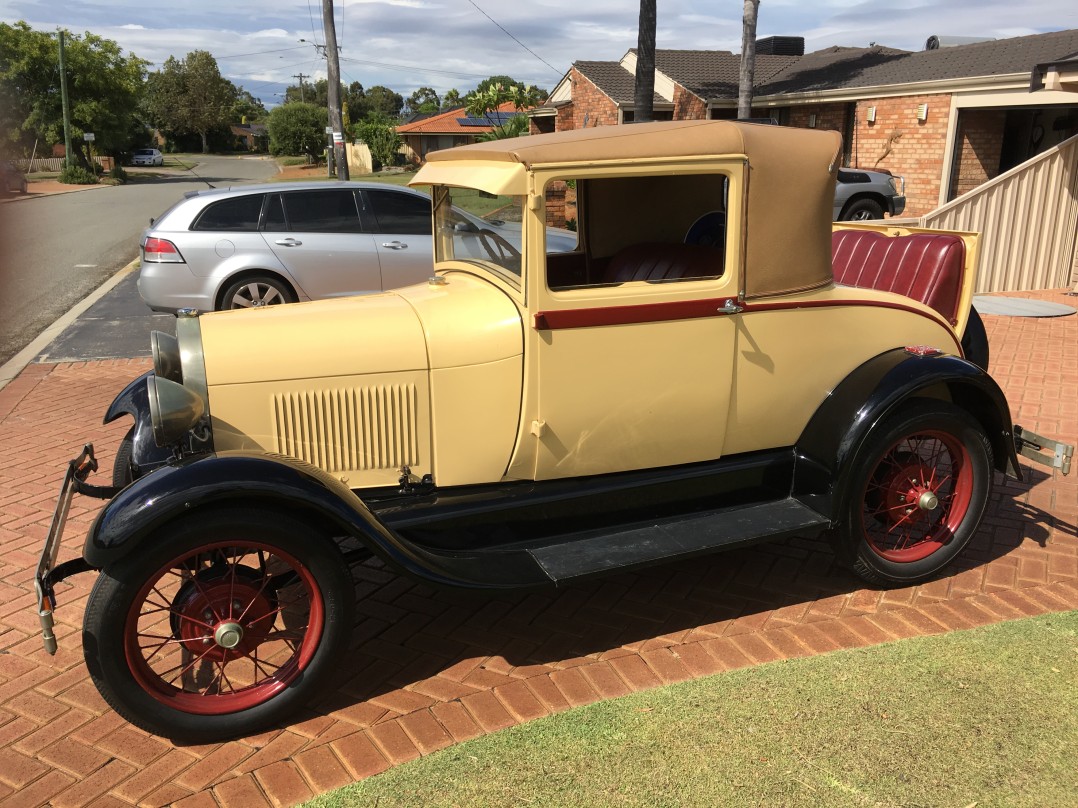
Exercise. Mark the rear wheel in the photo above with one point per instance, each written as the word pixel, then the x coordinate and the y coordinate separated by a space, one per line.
pixel 229 622
pixel 257 291
pixel 921 485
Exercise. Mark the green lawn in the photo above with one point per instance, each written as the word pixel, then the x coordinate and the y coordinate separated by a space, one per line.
pixel 987 717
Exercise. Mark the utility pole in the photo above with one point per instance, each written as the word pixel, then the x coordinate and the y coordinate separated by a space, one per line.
pixel 333 69
pixel 66 105
pixel 301 77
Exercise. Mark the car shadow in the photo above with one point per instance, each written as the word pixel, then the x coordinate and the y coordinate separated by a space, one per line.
pixel 407 632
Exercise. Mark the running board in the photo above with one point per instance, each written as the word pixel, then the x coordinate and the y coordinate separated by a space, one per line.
pixel 680 538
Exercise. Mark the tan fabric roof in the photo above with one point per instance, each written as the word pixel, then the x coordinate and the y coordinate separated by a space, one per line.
pixel 791 182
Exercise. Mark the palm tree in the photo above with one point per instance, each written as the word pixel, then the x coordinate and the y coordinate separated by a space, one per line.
pixel 645 63
pixel 748 58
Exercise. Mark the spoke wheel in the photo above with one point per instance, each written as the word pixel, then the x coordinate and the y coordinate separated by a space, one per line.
pixel 220 625
pixel 207 634
pixel 920 486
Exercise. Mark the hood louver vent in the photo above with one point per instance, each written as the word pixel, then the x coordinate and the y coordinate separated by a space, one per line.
pixel 356 429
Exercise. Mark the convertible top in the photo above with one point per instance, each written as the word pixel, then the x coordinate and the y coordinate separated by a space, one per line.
pixel 791 182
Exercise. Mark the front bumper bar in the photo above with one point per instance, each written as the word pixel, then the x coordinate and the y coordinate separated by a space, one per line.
pixel 48 572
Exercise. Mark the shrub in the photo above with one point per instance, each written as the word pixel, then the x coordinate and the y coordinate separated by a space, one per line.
pixel 77 175
pixel 117 173
pixel 297 129
pixel 380 135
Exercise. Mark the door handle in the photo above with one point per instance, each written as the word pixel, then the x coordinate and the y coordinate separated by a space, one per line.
pixel 395 245
pixel 730 307
pixel 289 242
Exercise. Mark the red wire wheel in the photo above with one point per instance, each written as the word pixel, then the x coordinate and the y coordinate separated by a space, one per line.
pixel 919 487
pixel 220 624
pixel 917 496
pixel 224 628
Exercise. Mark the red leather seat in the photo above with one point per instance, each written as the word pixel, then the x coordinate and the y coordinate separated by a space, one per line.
pixel 663 262
pixel 924 266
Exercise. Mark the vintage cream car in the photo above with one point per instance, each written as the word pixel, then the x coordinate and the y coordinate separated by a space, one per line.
pixel 691 378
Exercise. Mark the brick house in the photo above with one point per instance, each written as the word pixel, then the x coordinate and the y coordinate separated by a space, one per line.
pixel 447 129
pixel 945 118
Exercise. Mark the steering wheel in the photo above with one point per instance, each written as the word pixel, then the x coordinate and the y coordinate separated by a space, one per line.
pixel 499 250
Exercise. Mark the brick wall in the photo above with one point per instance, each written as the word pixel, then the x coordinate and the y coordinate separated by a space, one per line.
pixel 687 106
pixel 591 103
pixel 980 139
pixel 897 141
pixel 828 116
pixel 560 204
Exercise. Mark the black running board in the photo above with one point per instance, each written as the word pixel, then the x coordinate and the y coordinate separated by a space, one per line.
pixel 642 545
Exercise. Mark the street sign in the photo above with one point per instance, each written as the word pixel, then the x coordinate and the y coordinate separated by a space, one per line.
pixel 338 137
pixel 329 130
pixel 88 136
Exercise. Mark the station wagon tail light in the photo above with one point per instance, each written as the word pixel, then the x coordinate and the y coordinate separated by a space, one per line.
pixel 161 251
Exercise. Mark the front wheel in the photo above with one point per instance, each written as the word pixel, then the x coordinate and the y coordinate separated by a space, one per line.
pixel 863 210
pixel 921 485
pixel 229 622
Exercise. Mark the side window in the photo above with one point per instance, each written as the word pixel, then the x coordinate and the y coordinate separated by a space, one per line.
pixel 322 211
pixel 237 214
pixel 398 213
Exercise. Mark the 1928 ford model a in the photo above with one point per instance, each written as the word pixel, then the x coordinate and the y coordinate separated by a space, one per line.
pixel 690 378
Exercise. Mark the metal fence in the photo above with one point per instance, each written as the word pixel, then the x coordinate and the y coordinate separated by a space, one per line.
pixel 1028 220
pixel 55 163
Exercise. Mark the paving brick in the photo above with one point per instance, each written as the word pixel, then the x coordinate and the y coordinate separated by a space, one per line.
pixel 19 770
pixel 727 654
pixel 359 755
pixel 322 769
pixel 162 770
pixel 213 766
pixel 423 729
pixel 88 789
pixel 39 792
pixel 457 721
pixel 240 792
pixel 283 783
pixel 488 711
pixel 572 688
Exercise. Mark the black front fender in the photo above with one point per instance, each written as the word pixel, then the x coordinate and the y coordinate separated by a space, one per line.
pixel 134 400
pixel 233 479
pixel 834 435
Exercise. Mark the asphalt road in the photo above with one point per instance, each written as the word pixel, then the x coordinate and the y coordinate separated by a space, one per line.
pixel 57 249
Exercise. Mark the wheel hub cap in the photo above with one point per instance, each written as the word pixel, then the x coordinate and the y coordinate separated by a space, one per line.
pixel 928 501
pixel 228 635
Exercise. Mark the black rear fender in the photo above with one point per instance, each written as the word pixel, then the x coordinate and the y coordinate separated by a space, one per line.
pixel 873 392
pixel 273 482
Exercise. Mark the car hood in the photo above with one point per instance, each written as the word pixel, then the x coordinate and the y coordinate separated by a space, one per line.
pixel 463 321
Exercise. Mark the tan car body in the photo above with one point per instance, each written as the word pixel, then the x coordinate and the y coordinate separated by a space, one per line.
pixel 458 379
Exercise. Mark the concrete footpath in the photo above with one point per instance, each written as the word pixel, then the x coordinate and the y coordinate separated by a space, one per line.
pixel 429 669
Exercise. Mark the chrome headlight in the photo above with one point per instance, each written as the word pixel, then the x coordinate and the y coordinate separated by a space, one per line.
pixel 173 409
pixel 166 356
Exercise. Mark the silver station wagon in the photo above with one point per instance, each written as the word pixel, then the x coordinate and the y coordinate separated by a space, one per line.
pixel 260 245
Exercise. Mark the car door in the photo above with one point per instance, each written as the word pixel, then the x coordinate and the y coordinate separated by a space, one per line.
pixel 400 223
pixel 318 237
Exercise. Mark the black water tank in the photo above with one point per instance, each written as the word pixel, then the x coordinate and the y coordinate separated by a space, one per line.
pixel 781 46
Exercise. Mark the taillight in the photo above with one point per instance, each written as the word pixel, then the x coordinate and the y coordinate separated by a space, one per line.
pixel 161 251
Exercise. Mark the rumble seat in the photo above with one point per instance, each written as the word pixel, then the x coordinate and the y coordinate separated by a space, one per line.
pixel 663 262
pixel 924 266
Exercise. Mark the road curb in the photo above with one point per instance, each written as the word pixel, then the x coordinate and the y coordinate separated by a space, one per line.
pixel 14 366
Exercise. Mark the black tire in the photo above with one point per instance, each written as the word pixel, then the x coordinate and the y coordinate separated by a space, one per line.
pixel 919 488
pixel 122 475
pixel 227 623
pixel 975 341
pixel 862 210
pixel 256 291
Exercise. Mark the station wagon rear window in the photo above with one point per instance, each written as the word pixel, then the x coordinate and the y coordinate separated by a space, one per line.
pixel 237 214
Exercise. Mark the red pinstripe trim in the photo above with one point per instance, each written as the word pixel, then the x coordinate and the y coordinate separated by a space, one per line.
pixel 694 309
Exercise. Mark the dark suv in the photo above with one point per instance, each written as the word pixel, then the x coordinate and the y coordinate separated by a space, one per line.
pixel 861 195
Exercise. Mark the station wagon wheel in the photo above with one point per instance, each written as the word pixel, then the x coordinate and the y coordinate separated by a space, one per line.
pixel 230 621
pixel 920 487
pixel 257 291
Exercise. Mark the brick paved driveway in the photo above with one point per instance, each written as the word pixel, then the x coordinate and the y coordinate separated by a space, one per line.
pixel 434 668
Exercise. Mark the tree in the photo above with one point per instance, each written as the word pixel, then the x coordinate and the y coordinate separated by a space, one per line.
pixel 384 100
pixel 425 99
pixel 379 132
pixel 644 99
pixel 484 104
pixel 246 107
pixel 104 87
pixel 298 128
pixel 748 58
pixel 190 96
pixel 451 100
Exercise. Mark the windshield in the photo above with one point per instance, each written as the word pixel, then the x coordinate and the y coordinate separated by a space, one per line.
pixel 476 226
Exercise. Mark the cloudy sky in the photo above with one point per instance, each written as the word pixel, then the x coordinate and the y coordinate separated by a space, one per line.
pixel 405 44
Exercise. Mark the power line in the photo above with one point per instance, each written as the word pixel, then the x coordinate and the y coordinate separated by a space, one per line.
pixel 529 50
pixel 310 13
pixel 420 68
pixel 258 53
